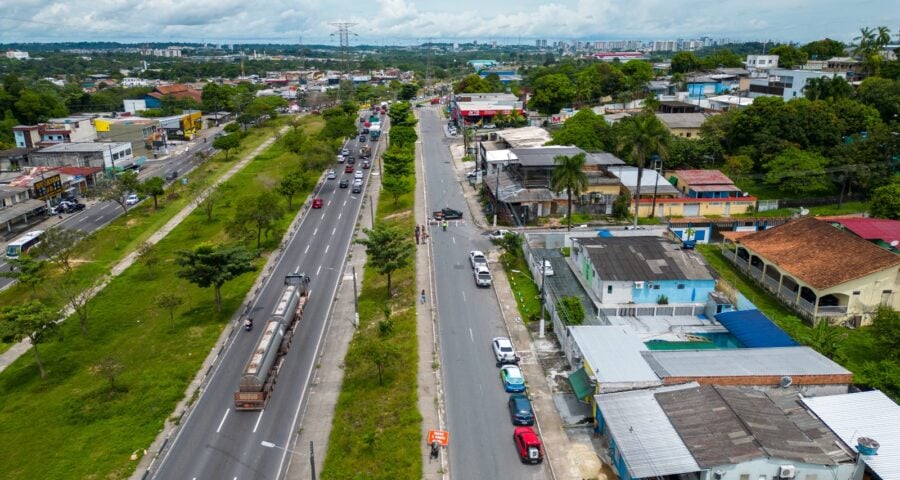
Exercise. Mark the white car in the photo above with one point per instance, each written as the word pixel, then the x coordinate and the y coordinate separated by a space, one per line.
pixel 132 200
pixel 482 277
pixel 498 234
pixel 357 181
pixel 548 267
pixel 504 352
pixel 358 175
pixel 477 259
pixel 340 159
pixel 331 175
pixel 345 152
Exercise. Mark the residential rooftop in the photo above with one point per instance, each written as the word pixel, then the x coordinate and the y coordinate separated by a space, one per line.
pixel 744 362
pixel 682 120
pixel 614 355
pixel 702 177
pixel 82 147
pixel 649 258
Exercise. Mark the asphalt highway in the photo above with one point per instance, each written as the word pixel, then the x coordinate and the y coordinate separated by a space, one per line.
pixel 216 442
pixel 478 420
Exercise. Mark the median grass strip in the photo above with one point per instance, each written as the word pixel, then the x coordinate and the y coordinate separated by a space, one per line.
pixel 376 429
pixel 74 424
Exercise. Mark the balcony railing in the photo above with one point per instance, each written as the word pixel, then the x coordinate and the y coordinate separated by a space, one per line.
pixel 771 283
pixel 833 311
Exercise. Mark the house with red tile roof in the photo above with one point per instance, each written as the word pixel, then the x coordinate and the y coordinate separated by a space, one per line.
pixel 881 231
pixel 822 272
pixel 154 98
pixel 704 184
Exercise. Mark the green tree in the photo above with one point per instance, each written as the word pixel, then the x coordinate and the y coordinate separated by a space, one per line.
pixel 261 211
pixel 568 175
pixel 571 309
pixel 110 368
pixel 883 95
pixel 58 245
pixel 33 107
pixel 472 84
pixel 401 115
pixel 638 73
pixel 826 339
pixel 408 91
pixel 153 187
pixel 170 303
pixel 32 320
pixel 217 98
pixel 403 136
pixel 397 185
pixel 789 56
pixel 738 165
pixel 684 62
pixel 886 330
pixel 643 136
pixel 585 130
pixel 798 171
pixel 381 353
pixel 824 88
pixel 551 93
pixel 294 140
pixel 885 200
pixel 116 189
pixel 76 298
pixel 823 49
pixel 290 185
pixel 212 266
pixel 27 270
pixel 148 255
pixel 388 249
pixel 227 143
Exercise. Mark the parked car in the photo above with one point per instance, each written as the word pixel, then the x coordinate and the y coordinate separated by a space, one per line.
pixel 344 183
pixel 499 234
pixel 548 267
pixel 73 206
pixel 132 199
pixel 331 175
pixel 482 277
pixel 528 445
pixel 317 203
pixel 472 174
pixel 477 259
pixel 512 379
pixel 504 352
pixel 520 411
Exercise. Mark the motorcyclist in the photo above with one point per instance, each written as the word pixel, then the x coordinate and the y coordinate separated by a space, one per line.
pixel 248 324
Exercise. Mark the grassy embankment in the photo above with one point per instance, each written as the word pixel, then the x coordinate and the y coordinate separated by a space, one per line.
pixel 375 433
pixel 73 424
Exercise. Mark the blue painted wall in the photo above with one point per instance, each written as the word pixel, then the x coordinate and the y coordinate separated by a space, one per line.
pixel 691 291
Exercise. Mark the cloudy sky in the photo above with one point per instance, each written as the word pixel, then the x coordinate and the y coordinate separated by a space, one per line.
pixel 411 21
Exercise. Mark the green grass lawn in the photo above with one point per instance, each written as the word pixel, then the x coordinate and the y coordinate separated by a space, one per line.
pixel 846 208
pixel 856 351
pixel 527 293
pixel 376 429
pixel 71 424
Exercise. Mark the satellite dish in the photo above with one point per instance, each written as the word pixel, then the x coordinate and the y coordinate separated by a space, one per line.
pixel 786 381
pixel 895 243
pixel 804 211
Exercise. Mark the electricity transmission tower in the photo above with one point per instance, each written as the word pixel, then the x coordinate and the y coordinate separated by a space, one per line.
pixel 344 33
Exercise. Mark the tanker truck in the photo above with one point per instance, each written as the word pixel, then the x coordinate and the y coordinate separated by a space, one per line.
pixel 261 373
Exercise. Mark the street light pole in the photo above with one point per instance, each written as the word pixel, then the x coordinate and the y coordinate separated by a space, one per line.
pixel 657 163
pixel 312 459
pixel 541 327
pixel 355 302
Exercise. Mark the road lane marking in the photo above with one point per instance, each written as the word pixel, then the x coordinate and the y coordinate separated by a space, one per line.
pixel 258 419
pixel 316 231
pixel 454 240
pixel 333 230
pixel 345 202
pixel 471 336
pixel 328 204
pixel 318 270
pixel 306 250
pixel 326 248
pixel 339 215
pixel 464 295
pixel 223 420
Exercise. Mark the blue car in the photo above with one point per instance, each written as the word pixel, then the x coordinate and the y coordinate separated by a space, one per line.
pixel 512 379
pixel 520 410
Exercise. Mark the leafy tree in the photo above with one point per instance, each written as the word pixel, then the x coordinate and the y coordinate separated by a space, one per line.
pixel 388 248
pixel 585 130
pixel 76 298
pixel 643 136
pixel 552 92
pixel 789 56
pixel 472 84
pixel 227 143
pixel 684 62
pixel 26 270
pixel 260 211
pixel 408 91
pixel 34 321
pixel 232 127
pixel 217 98
pixel 403 136
pixel 290 185
pixel 883 375
pixel 572 310
pixel 799 171
pixel 738 165
pixel 211 266
pixel 401 115
pixel 638 73
pixel 153 187
pixel 34 107
pixel 116 189
pixel 886 330
pixel 824 88
pixel 885 201
pixel 58 244
pixel 382 353
pixel 397 185
pixel 110 368
pixel 883 95
pixel 170 303
pixel 823 49
pixel 293 141
pixel 398 162
pixel 826 339
pixel 208 202
pixel 722 57
pixel 148 255
pixel 568 175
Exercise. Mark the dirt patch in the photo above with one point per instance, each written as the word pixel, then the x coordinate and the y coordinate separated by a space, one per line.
pixel 400 214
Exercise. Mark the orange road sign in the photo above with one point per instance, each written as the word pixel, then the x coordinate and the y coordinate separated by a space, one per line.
pixel 440 436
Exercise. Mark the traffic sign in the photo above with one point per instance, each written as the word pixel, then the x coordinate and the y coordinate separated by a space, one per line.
pixel 442 437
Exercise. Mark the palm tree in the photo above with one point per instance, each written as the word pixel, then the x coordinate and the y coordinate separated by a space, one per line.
pixel 643 136
pixel 882 37
pixel 864 41
pixel 568 175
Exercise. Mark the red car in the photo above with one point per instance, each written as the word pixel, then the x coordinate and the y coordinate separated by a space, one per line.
pixel 348 169
pixel 528 445
pixel 317 203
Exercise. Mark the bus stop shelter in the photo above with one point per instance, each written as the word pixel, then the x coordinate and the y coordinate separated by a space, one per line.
pixel 21 211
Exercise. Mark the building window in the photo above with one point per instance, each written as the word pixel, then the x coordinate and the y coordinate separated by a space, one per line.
pixel 856 292
pixel 609 289
pixel 688 134
pixel 681 286
pixel 745 476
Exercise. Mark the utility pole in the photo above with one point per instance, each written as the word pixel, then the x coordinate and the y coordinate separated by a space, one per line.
pixel 343 33
pixel 312 461
pixel 355 301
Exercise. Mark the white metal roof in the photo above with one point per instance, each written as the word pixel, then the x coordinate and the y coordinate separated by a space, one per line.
pixel 865 414
pixel 649 444
pixel 613 354
pixel 742 362
pixel 649 179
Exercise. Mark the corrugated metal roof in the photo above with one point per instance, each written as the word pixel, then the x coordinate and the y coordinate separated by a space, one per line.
pixel 644 435
pixel 754 329
pixel 614 356
pixel 865 414
pixel 742 362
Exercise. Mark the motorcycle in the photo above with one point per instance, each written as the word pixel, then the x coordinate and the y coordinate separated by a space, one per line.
pixel 248 325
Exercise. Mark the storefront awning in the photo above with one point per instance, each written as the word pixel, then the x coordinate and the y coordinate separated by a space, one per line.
pixel 581 384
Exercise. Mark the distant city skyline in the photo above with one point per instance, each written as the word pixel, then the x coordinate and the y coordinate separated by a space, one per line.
pixel 406 22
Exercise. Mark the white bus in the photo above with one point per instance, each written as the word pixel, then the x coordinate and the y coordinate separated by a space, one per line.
pixel 24 243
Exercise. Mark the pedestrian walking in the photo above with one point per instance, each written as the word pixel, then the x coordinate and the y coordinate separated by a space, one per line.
pixel 417 234
pixel 422 296
pixel 424 234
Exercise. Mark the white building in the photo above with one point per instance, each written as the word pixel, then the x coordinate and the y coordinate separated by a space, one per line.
pixel 761 62
pixel 129 82
pixel 17 55
pixel 788 84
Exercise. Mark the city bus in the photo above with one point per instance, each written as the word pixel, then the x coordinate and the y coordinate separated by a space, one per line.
pixel 24 243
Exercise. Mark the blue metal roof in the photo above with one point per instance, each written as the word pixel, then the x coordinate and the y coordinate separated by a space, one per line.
pixel 754 329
